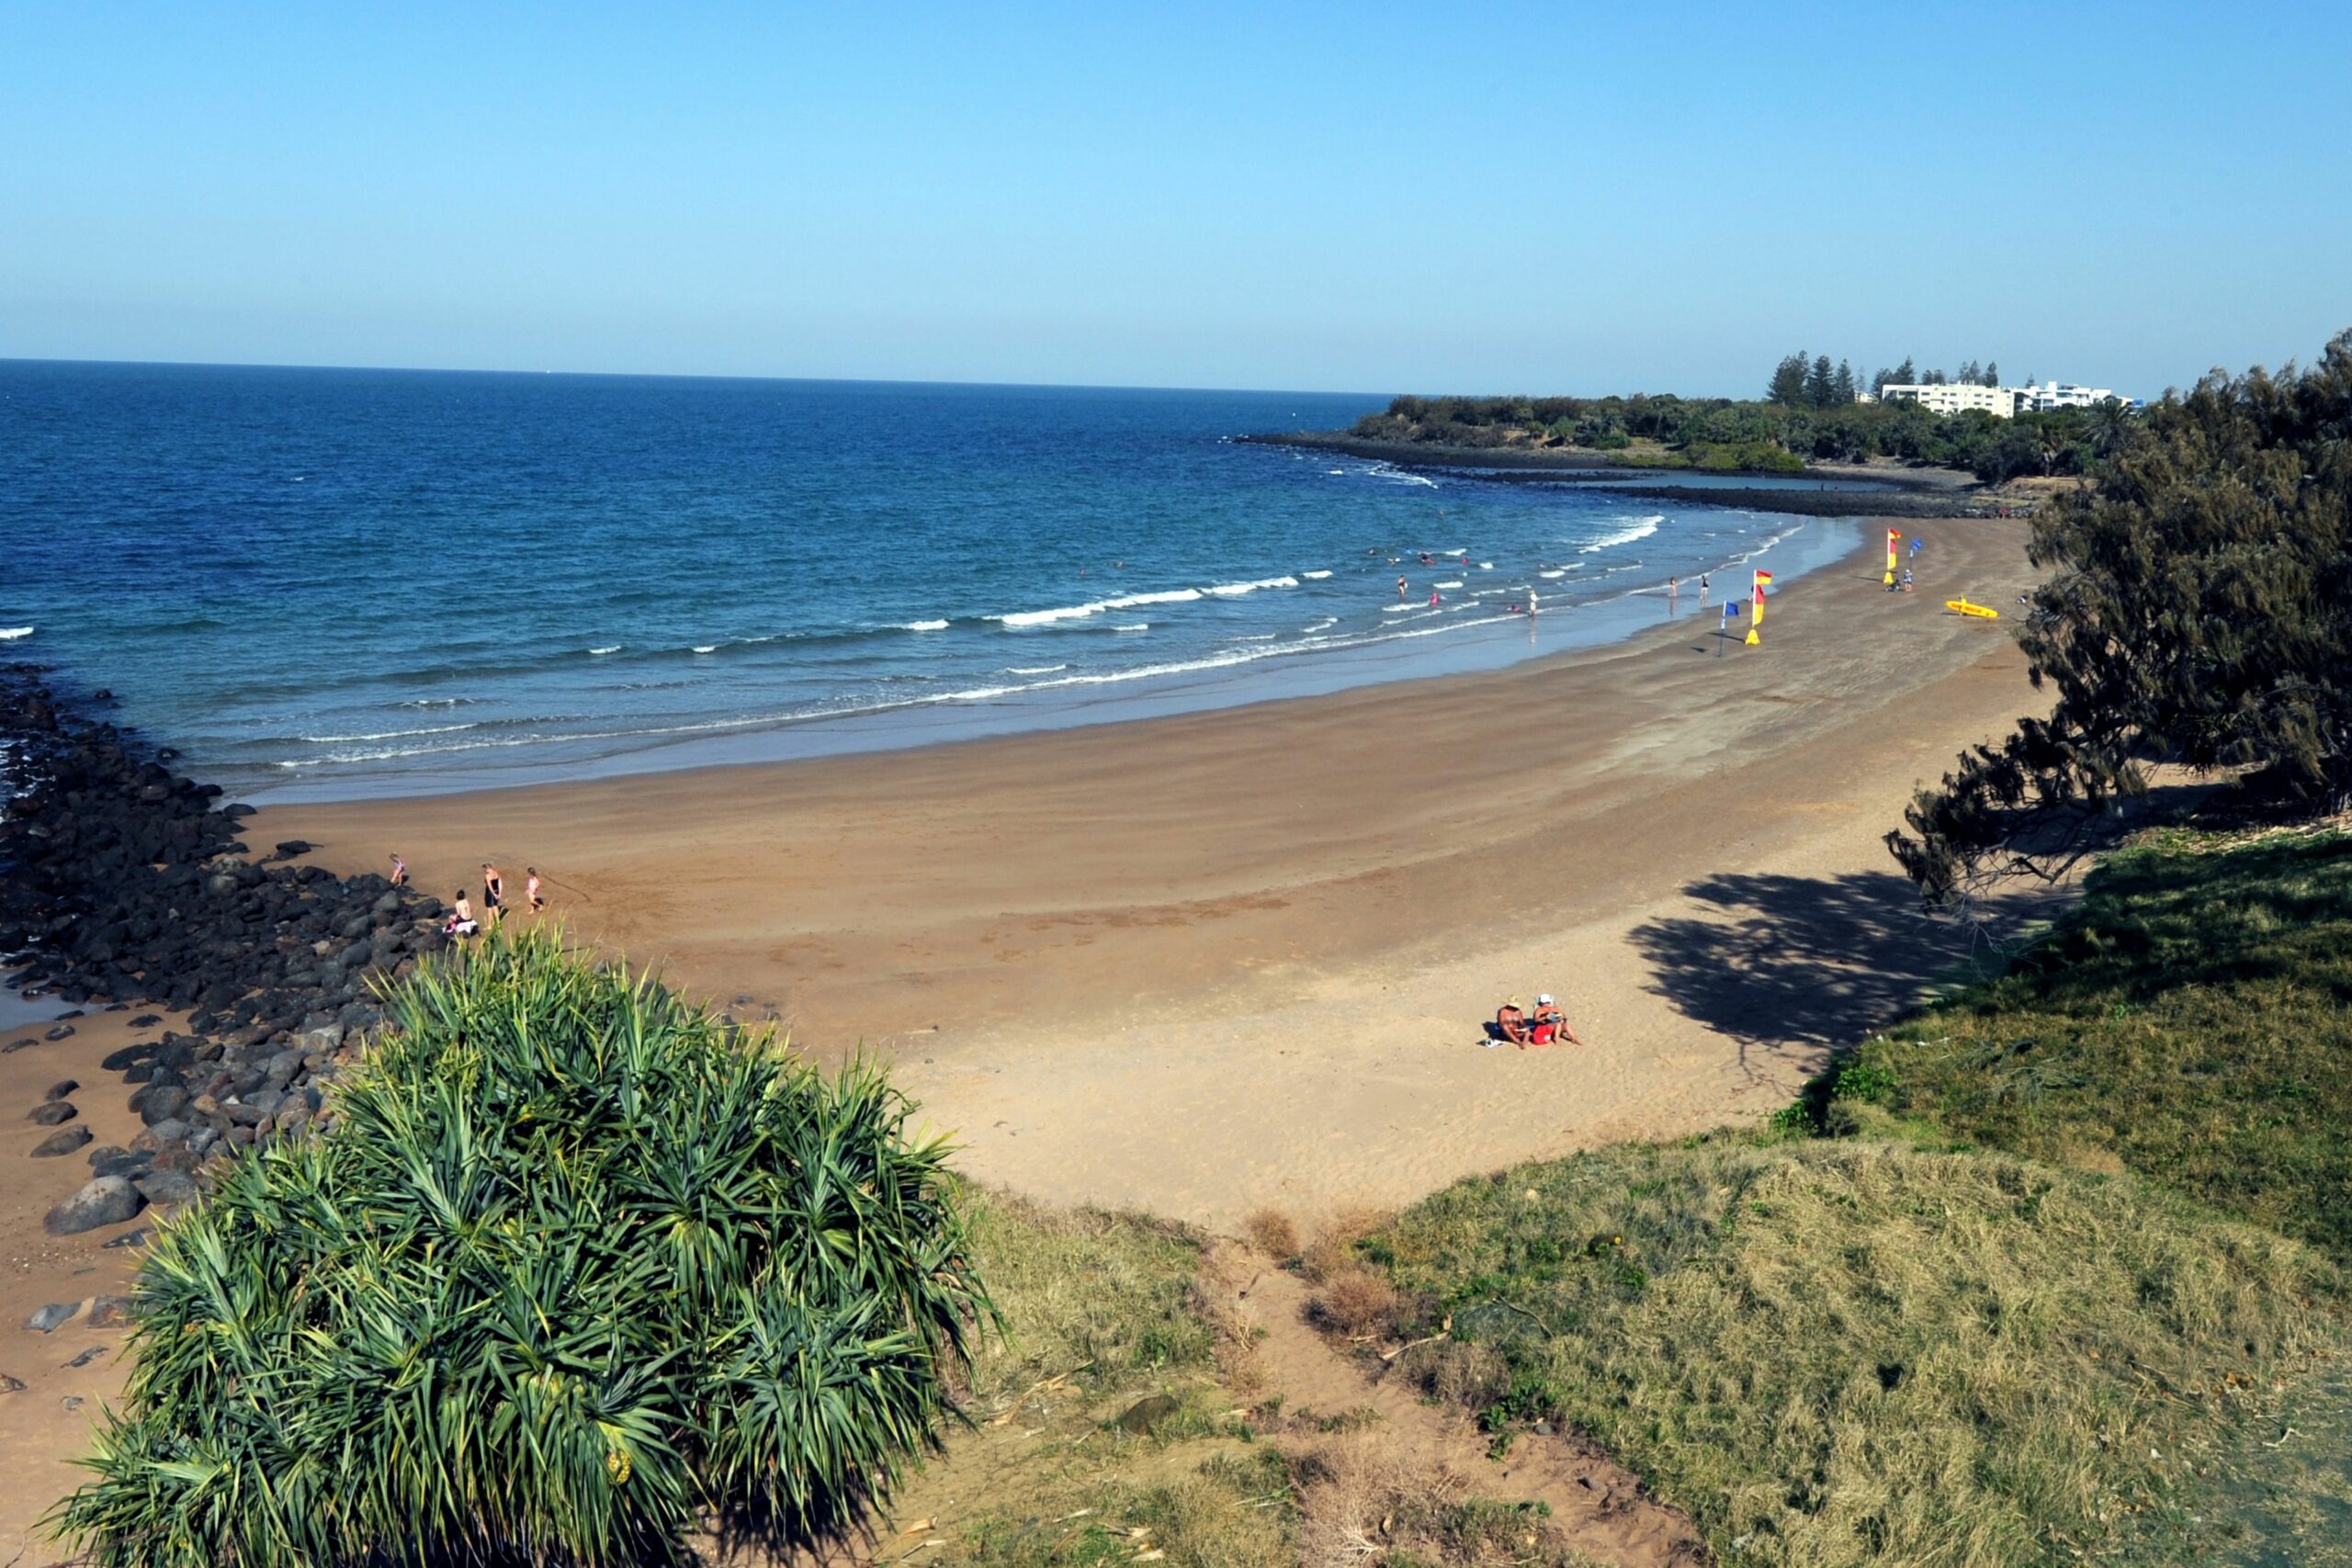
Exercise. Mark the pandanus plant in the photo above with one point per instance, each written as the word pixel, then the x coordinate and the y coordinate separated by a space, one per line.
pixel 579 1272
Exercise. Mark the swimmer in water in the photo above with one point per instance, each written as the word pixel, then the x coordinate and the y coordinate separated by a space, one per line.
pixel 1401 588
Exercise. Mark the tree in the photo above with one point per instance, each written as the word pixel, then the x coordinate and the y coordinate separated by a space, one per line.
pixel 1968 374
pixel 1879 380
pixel 1992 373
pixel 2196 614
pixel 2108 426
pixel 1788 381
pixel 1819 384
pixel 1904 375
pixel 578 1266
pixel 1842 385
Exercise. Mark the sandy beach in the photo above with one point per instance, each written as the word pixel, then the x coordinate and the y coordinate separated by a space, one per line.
pixel 1204 964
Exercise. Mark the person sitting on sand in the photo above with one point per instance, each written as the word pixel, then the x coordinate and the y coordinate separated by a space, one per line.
pixel 1511 1023
pixel 400 872
pixel 461 921
pixel 1550 1025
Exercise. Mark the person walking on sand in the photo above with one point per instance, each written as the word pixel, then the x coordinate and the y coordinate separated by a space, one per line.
pixel 493 891
pixel 400 870
pixel 531 889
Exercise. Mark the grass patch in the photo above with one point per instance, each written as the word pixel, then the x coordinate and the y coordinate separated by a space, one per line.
pixel 1853 1351
pixel 2192 1022
pixel 1100 1313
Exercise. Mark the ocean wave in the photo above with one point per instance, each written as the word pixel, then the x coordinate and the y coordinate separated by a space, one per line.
pixel 1394 609
pixel 10 634
pixel 439 702
pixel 1455 584
pixel 1326 623
pixel 1635 528
pixel 1033 669
pixel 384 733
pixel 1235 589
pixel 1134 626
pixel 608 648
pixel 1135 601
pixel 1253 636
pixel 922 625
pixel 707 648
pixel 1556 572
pixel 1314 576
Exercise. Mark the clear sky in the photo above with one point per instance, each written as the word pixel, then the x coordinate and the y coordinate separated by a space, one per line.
pixel 1367 197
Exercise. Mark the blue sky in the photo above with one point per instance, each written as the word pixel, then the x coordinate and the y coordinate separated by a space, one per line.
pixel 1363 197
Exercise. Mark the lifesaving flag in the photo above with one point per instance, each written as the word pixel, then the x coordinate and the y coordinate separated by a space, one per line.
pixel 1892 535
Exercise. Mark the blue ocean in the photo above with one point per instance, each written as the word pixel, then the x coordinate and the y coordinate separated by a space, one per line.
pixel 336 582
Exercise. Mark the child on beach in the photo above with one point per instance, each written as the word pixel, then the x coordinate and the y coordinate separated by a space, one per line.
pixel 400 872
pixel 531 888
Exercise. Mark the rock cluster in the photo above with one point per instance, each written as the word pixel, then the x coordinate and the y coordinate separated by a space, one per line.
pixel 121 880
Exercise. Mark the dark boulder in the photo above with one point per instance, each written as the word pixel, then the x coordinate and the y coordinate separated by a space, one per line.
pixel 105 1201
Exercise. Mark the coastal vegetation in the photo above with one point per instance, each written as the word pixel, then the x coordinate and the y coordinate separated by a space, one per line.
pixel 579 1270
pixel 2194 614
pixel 2019 1280
pixel 1765 436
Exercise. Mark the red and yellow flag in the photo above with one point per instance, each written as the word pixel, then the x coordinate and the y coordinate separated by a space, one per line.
pixel 1892 535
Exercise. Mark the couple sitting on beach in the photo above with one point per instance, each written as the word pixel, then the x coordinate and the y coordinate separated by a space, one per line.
pixel 1547 1025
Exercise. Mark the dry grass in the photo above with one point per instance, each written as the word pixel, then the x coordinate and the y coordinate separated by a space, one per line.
pixel 1357 1300
pixel 1844 1353
pixel 1225 1274
pixel 1271 1233
pixel 1335 1245
pixel 1360 1503
pixel 1102 1298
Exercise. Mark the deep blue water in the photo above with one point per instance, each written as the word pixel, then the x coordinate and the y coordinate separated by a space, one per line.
pixel 341 581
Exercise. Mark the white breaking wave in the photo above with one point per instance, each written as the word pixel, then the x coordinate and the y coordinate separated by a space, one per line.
pixel 1556 572
pixel 608 648
pixel 707 647
pixel 387 734
pixel 1640 528
pixel 1449 585
pixel 1033 669
pixel 924 627
pixel 1326 623
pixel 1395 609
pixel 10 634
pixel 1314 576
pixel 1136 626
pixel 1135 601
pixel 1254 637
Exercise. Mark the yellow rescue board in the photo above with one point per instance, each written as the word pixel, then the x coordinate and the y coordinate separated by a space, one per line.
pixel 1962 606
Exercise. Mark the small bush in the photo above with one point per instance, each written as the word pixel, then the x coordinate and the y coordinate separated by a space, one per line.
pixel 1357 1300
pixel 1271 1233
pixel 1335 1246
pixel 579 1266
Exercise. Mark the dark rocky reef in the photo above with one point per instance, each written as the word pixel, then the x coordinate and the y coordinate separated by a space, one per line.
pixel 123 882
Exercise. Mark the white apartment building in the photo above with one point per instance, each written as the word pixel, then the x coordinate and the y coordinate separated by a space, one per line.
pixel 1954 397
pixel 2058 395
pixel 2001 403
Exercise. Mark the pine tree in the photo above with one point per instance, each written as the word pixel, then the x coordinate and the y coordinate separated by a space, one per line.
pixel 2194 614
pixel 1788 381
pixel 1818 383
pixel 1904 375
pixel 1968 374
pixel 1992 373
pixel 1879 380
pixel 1842 388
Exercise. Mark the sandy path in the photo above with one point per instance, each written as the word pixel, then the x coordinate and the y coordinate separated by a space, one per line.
pixel 1202 963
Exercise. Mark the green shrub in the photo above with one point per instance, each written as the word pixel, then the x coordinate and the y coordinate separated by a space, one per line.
pixel 579 1269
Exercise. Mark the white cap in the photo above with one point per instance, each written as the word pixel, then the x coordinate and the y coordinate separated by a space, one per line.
pixel 1544 1001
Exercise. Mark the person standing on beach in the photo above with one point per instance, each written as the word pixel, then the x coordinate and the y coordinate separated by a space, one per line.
pixel 1703 591
pixel 1673 593
pixel 493 890
pixel 531 889
pixel 400 870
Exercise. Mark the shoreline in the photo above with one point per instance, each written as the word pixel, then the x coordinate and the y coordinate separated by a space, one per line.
pixel 1485 645
pixel 1139 963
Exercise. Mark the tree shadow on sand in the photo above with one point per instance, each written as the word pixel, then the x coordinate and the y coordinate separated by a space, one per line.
pixel 1793 967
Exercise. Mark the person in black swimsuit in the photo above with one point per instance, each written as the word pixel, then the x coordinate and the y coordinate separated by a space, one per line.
pixel 492 891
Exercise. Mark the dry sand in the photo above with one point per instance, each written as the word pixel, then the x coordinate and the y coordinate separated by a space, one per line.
pixel 1204 965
